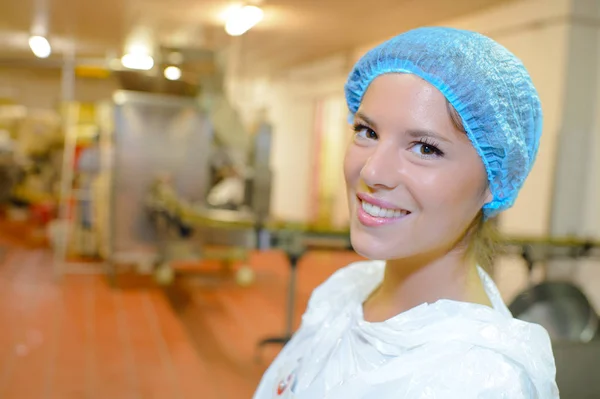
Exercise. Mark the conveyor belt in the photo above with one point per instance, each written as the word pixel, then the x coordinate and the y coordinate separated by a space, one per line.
pixel 296 238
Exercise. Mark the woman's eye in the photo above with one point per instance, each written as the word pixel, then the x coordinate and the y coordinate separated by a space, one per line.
pixel 364 132
pixel 425 150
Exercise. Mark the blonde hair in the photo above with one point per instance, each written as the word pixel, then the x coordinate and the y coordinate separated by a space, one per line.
pixel 484 241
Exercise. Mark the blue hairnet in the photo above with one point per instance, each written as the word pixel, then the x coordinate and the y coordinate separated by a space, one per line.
pixel 487 85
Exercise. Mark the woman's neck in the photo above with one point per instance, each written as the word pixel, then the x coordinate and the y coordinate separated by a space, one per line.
pixel 409 283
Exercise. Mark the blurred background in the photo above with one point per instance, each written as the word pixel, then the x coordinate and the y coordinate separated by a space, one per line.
pixel 172 190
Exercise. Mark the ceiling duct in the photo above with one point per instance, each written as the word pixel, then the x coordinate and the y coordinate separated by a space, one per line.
pixel 151 83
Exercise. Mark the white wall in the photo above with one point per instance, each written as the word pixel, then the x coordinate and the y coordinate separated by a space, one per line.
pixel 292 119
pixel 592 226
pixel 337 135
pixel 591 205
pixel 289 101
pixel 330 205
pixel 577 194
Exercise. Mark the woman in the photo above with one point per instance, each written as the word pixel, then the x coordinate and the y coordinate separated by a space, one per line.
pixel 446 128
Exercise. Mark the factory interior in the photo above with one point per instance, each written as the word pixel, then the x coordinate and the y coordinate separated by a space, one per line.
pixel 172 186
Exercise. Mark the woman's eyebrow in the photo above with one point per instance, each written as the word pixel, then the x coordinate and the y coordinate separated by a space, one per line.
pixel 415 133
pixel 419 133
pixel 365 118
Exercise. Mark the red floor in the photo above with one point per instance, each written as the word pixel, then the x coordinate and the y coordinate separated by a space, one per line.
pixel 79 338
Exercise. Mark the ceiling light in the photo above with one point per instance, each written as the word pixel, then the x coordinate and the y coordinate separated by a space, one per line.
pixel 40 46
pixel 172 73
pixel 243 19
pixel 142 62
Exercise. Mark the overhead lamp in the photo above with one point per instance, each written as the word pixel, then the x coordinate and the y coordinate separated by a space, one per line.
pixel 142 62
pixel 40 46
pixel 172 73
pixel 243 19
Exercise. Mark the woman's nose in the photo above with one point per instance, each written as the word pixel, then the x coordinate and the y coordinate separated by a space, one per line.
pixel 384 168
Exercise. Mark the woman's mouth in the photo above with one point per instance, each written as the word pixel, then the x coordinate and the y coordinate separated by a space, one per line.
pixel 380 212
pixel 370 214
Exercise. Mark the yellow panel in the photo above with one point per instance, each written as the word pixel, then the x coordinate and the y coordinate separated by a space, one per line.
pixel 92 72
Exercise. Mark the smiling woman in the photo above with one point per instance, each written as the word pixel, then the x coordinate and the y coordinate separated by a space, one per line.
pixel 446 128
pixel 407 152
pixel 430 175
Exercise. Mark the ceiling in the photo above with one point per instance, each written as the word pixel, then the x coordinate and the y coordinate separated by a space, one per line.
pixel 292 32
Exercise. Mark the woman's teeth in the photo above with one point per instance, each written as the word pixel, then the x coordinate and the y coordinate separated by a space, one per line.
pixel 379 212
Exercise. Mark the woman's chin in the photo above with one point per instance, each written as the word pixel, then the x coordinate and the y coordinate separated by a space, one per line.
pixel 374 249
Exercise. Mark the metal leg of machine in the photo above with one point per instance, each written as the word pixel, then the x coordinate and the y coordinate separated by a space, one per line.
pixel 295 245
pixel 291 302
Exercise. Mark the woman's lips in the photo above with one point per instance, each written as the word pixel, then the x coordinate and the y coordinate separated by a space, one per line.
pixel 371 213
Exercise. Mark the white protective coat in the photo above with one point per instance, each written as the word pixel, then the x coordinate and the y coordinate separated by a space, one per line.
pixel 443 350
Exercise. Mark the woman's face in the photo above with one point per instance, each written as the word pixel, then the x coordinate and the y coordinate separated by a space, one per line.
pixel 415 182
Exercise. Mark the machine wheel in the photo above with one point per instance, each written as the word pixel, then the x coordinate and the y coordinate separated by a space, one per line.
pixel 164 274
pixel 245 276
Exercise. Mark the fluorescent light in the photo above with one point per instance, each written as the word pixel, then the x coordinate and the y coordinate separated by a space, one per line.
pixel 172 73
pixel 141 62
pixel 242 20
pixel 40 46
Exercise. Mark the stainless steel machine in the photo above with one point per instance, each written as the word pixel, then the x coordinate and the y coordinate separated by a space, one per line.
pixel 161 165
pixel 155 136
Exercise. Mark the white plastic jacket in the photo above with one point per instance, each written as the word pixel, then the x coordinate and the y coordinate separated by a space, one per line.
pixel 444 350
